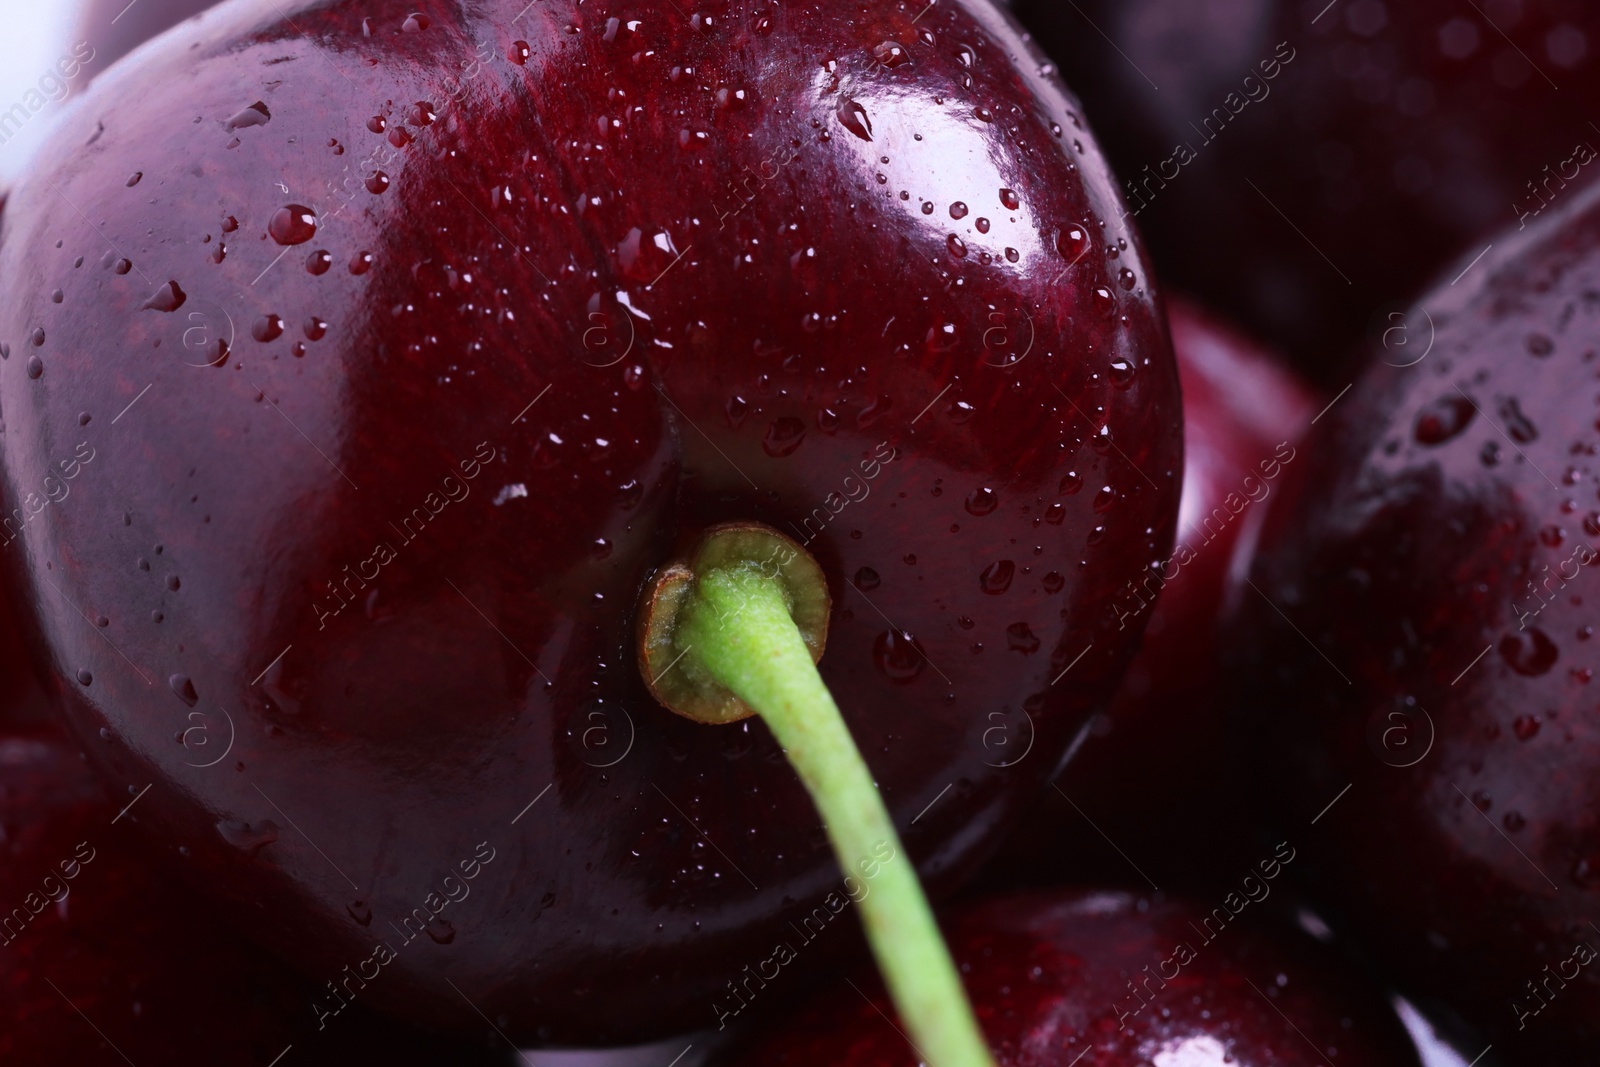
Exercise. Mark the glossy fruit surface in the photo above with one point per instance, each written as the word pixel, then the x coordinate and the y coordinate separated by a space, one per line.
pixel 1433 560
pixel 104 960
pixel 365 359
pixel 115 28
pixel 1322 197
pixel 1163 741
pixel 1122 981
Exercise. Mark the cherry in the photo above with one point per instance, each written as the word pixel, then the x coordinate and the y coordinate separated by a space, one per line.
pixel 1317 201
pixel 1122 980
pixel 544 292
pixel 1426 686
pixel 104 959
pixel 1243 418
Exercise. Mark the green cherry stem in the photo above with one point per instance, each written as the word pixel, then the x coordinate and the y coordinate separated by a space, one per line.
pixel 743 623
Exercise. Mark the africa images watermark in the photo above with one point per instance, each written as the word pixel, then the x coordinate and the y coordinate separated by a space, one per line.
pixel 1143 189
pixel 810 928
pixel 52 87
pixel 425 918
pixel 1256 890
pixel 1582 153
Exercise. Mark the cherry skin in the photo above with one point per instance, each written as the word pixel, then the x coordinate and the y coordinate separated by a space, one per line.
pixel 115 29
pixel 101 955
pixel 1244 415
pixel 1134 980
pixel 455 323
pixel 1397 137
pixel 1434 557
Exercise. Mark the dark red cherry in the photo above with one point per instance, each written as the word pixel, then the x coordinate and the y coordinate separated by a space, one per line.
pixel 1419 646
pixel 1311 168
pixel 1123 981
pixel 658 271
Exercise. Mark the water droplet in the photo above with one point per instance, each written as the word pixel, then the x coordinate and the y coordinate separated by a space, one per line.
pixel 123 266
pixel 1010 200
pixel 736 409
pixel 867 579
pixel 440 930
pixel 267 328
pixel 184 687
pixel 173 582
pixel 982 501
pixel 319 262
pixel 1103 500
pixel 1103 301
pixel 315 329
pixel 1126 278
pixel 1071 482
pixel 1531 653
pixel 891 53
pixel 360 912
pixel 783 436
pixel 958 210
pixel 1443 419
pixel 996 577
pixel 35 367
pixel 1539 345
pixel 135 178
pixel 1518 425
pixel 1514 821
pixel 254 115
pixel 292 224
pixel 828 421
pixel 1053 582
pixel 415 22
pixel 360 263
pixel 1073 241
pixel 84 677
pixel 1020 638
pixel 247 838
pixel 1526 727
pixel 983 225
pixel 377 124
pixel 957 246
pixel 377 182
pixel 855 118
pixel 168 298
pixel 1122 371
pixel 520 51
pixel 898 655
